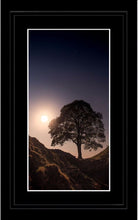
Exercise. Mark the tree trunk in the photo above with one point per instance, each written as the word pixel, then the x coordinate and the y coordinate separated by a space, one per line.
pixel 79 151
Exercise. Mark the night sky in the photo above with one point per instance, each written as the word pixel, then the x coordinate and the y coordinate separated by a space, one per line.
pixel 64 66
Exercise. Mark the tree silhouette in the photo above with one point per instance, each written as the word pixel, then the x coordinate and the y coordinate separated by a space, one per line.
pixel 79 123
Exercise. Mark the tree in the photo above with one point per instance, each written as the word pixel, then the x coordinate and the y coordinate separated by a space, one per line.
pixel 79 123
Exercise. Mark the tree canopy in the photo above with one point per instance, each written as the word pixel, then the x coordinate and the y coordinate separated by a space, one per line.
pixel 79 123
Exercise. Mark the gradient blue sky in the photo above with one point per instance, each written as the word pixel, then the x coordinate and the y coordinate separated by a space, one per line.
pixel 64 66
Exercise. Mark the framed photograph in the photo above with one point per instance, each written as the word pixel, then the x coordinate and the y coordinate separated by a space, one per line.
pixel 65 83
pixel 68 73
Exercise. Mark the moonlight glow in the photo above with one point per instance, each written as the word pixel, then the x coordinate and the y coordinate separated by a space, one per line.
pixel 44 118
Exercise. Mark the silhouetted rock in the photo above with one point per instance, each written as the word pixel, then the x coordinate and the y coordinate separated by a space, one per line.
pixel 58 170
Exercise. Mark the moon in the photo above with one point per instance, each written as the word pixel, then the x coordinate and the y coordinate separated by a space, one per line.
pixel 44 118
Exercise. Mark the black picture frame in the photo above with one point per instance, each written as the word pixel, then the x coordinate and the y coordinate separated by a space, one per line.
pixel 121 200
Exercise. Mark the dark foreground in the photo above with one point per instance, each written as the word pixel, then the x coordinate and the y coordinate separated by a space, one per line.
pixel 57 170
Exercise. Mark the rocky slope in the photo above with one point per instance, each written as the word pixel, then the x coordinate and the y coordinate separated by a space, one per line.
pixel 58 170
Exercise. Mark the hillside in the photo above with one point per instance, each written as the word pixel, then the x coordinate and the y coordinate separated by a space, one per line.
pixel 58 170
